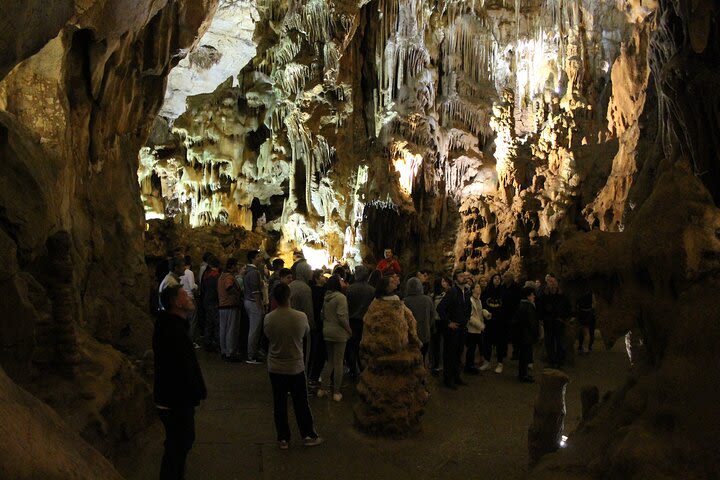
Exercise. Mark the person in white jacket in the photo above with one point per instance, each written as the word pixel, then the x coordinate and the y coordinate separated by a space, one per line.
pixel 476 325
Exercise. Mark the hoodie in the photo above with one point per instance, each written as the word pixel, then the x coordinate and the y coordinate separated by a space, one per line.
pixel 336 323
pixel 421 306
pixel 301 296
pixel 360 294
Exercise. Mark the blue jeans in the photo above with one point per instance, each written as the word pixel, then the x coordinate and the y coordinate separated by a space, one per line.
pixel 254 319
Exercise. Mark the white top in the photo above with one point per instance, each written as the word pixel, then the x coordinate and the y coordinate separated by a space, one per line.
pixel 188 281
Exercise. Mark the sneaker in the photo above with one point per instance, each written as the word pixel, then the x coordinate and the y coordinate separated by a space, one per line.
pixel 284 444
pixel 321 393
pixel 252 361
pixel 530 366
pixel 312 442
pixel 485 366
pixel 337 397
pixel 499 368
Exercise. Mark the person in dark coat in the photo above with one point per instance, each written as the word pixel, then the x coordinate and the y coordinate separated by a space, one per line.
pixel 526 332
pixel 359 297
pixel 554 310
pixel 454 310
pixel 179 384
pixel 317 349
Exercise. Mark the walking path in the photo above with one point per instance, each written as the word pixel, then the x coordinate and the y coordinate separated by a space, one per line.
pixel 476 431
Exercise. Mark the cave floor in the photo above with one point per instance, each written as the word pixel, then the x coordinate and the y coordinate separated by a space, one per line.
pixel 476 431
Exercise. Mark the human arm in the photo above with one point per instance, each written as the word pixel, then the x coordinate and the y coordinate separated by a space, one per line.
pixel 343 317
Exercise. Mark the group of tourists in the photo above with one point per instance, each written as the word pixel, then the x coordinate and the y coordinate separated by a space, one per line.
pixel 307 326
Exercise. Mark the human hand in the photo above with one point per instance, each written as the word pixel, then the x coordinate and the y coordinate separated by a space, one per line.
pixel 453 325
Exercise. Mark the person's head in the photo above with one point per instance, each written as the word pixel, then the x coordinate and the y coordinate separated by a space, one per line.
pixel 374 277
pixel 422 275
pixel 552 283
pixel 231 265
pixel 254 258
pixel 177 301
pixel 281 293
pixel 318 278
pixel 333 284
pixel 206 257
pixel 537 284
pixel 214 262
pixel 278 264
pixel 387 285
pixel 340 271
pixel 477 290
pixel 361 273
pixel 414 287
pixel 388 253
pixel 442 284
pixel 188 261
pixel 460 277
pixel 496 280
pixel 177 265
pixel 528 293
pixel 508 279
pixel 286 276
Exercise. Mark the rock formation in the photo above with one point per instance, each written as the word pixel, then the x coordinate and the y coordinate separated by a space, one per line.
pixel 80 84
pixel 546 431
pixel 524 136
pixel 392 387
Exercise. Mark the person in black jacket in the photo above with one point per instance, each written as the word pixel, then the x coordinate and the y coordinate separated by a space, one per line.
pixel 554 310
pixel 454 310
pixel 179 383
pixel 526 332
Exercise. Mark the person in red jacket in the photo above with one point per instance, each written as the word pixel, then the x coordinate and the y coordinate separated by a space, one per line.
pixel 389 262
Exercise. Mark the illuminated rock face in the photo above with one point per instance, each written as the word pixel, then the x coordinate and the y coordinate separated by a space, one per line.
pixel 77 97
pixel 351 112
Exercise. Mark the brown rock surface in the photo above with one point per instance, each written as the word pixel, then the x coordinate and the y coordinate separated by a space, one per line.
pixel 36 443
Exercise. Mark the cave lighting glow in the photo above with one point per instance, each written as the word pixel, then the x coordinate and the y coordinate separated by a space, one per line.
pixel 317 258
pixel 406 164
pixel 563 441
pixel 154 216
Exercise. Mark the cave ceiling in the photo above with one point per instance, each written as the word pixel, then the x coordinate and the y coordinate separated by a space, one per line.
pixel 478 119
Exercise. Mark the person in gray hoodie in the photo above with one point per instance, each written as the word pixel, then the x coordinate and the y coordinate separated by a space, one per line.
pixel 301 299
pixel 422 308
pixel 336 331
pixel 360 295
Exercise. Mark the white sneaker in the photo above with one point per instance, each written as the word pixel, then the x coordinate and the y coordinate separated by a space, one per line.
pixel 337 397
pixel 530 366
pixel 499 368
pixel 485 366
pixel 321 393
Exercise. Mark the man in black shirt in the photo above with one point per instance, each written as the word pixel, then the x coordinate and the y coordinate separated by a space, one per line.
pixel 179 383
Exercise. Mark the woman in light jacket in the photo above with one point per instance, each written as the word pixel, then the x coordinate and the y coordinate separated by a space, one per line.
pixel 336 332
pixel 476 326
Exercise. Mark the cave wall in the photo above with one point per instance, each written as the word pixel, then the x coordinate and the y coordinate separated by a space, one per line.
pixel 80 91
pixel 349 109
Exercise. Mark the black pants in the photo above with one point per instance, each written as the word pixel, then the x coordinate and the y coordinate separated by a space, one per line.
pixel 317 354
pixel 525 357
pixel 453 345
pixel 179 437
pixel 555 342
pixel 435 346
pixel 496 335
pixel 296 385
pixel 587 320
pixel 352 348
pixel 474 341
